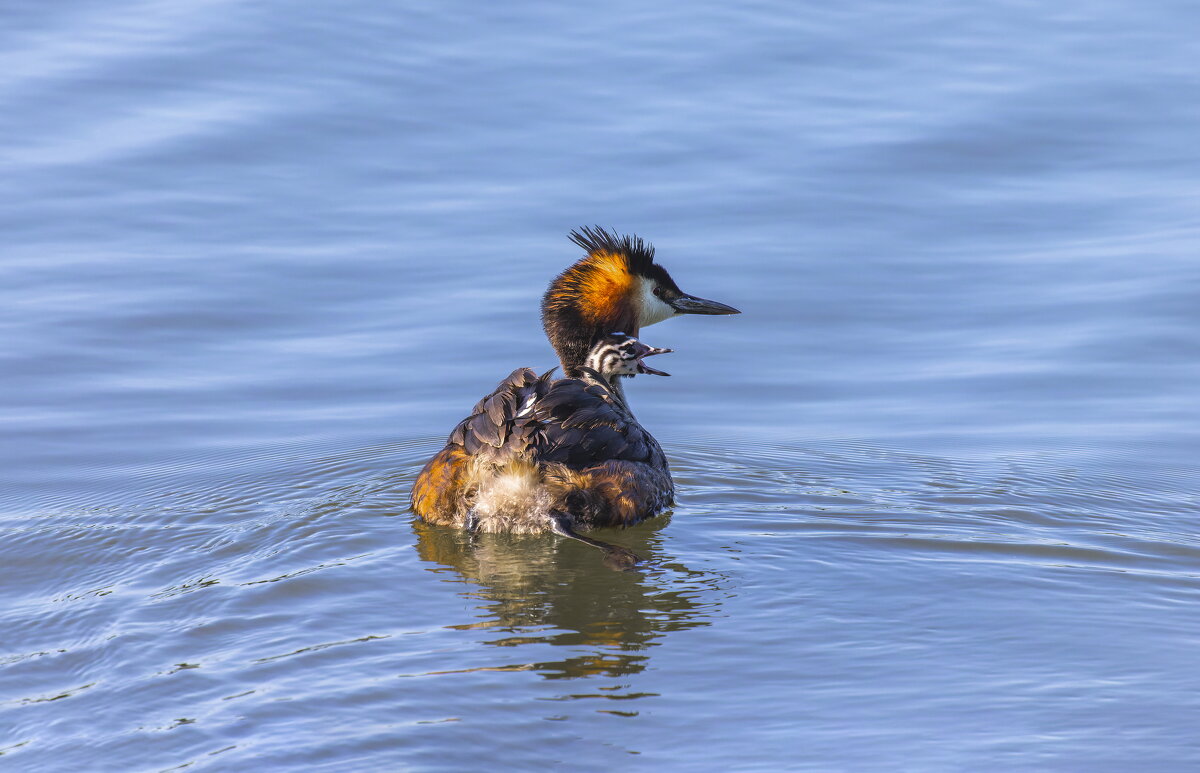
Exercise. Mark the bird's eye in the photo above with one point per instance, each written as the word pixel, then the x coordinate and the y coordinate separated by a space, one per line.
pixel 658 291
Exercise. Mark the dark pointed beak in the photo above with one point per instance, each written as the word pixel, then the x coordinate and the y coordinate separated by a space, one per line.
pixel 689 304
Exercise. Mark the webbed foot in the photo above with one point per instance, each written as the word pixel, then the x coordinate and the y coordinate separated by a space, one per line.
pixel 615 557
pixel 621 559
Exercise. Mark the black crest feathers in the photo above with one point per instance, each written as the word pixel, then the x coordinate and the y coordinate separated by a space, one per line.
pixel 596 240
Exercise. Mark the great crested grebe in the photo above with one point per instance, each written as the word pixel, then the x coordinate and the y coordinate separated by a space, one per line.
pixel 540 454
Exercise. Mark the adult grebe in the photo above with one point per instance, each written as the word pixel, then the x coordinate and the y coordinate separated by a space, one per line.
pixel 542 455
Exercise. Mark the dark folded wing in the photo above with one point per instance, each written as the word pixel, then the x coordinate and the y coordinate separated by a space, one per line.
pixel 571 421
pixel 502 424
pixel 581 424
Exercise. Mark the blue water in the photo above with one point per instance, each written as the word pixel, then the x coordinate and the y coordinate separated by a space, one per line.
pixel 938 507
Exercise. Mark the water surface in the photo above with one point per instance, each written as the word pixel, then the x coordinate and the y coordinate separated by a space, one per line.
pixel 938 507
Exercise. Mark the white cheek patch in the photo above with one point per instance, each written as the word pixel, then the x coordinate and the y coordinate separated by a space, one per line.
pixel 653 308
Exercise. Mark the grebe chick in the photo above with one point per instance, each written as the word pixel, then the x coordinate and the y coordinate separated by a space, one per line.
pixel 619 354
pixel 539 454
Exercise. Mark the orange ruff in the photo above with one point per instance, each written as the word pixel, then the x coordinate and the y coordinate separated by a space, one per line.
pixel 600 285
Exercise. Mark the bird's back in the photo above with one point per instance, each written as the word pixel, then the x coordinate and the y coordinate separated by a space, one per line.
pixel 536 445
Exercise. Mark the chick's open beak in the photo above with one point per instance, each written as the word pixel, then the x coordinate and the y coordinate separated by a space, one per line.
pixel 642 367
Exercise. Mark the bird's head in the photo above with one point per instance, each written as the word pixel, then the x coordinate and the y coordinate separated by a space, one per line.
pixel 620 354
pixel 615 286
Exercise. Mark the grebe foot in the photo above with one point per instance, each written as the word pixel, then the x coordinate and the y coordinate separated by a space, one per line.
pixel 621 559
pixel 615 556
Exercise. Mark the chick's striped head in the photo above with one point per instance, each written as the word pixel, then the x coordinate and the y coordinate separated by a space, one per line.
pixel 620 354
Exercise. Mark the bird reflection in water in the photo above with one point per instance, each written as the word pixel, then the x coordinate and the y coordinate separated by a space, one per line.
pixel 539 591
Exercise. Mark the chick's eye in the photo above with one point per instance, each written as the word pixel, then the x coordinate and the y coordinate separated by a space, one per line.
pixel 658 291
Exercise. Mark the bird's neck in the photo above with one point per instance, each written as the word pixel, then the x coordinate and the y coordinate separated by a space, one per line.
pixel 574 326
pixel 574 345
pixel 616 387
pixel 573 350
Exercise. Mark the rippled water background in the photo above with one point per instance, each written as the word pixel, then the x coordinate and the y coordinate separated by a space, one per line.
pixel 938 495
